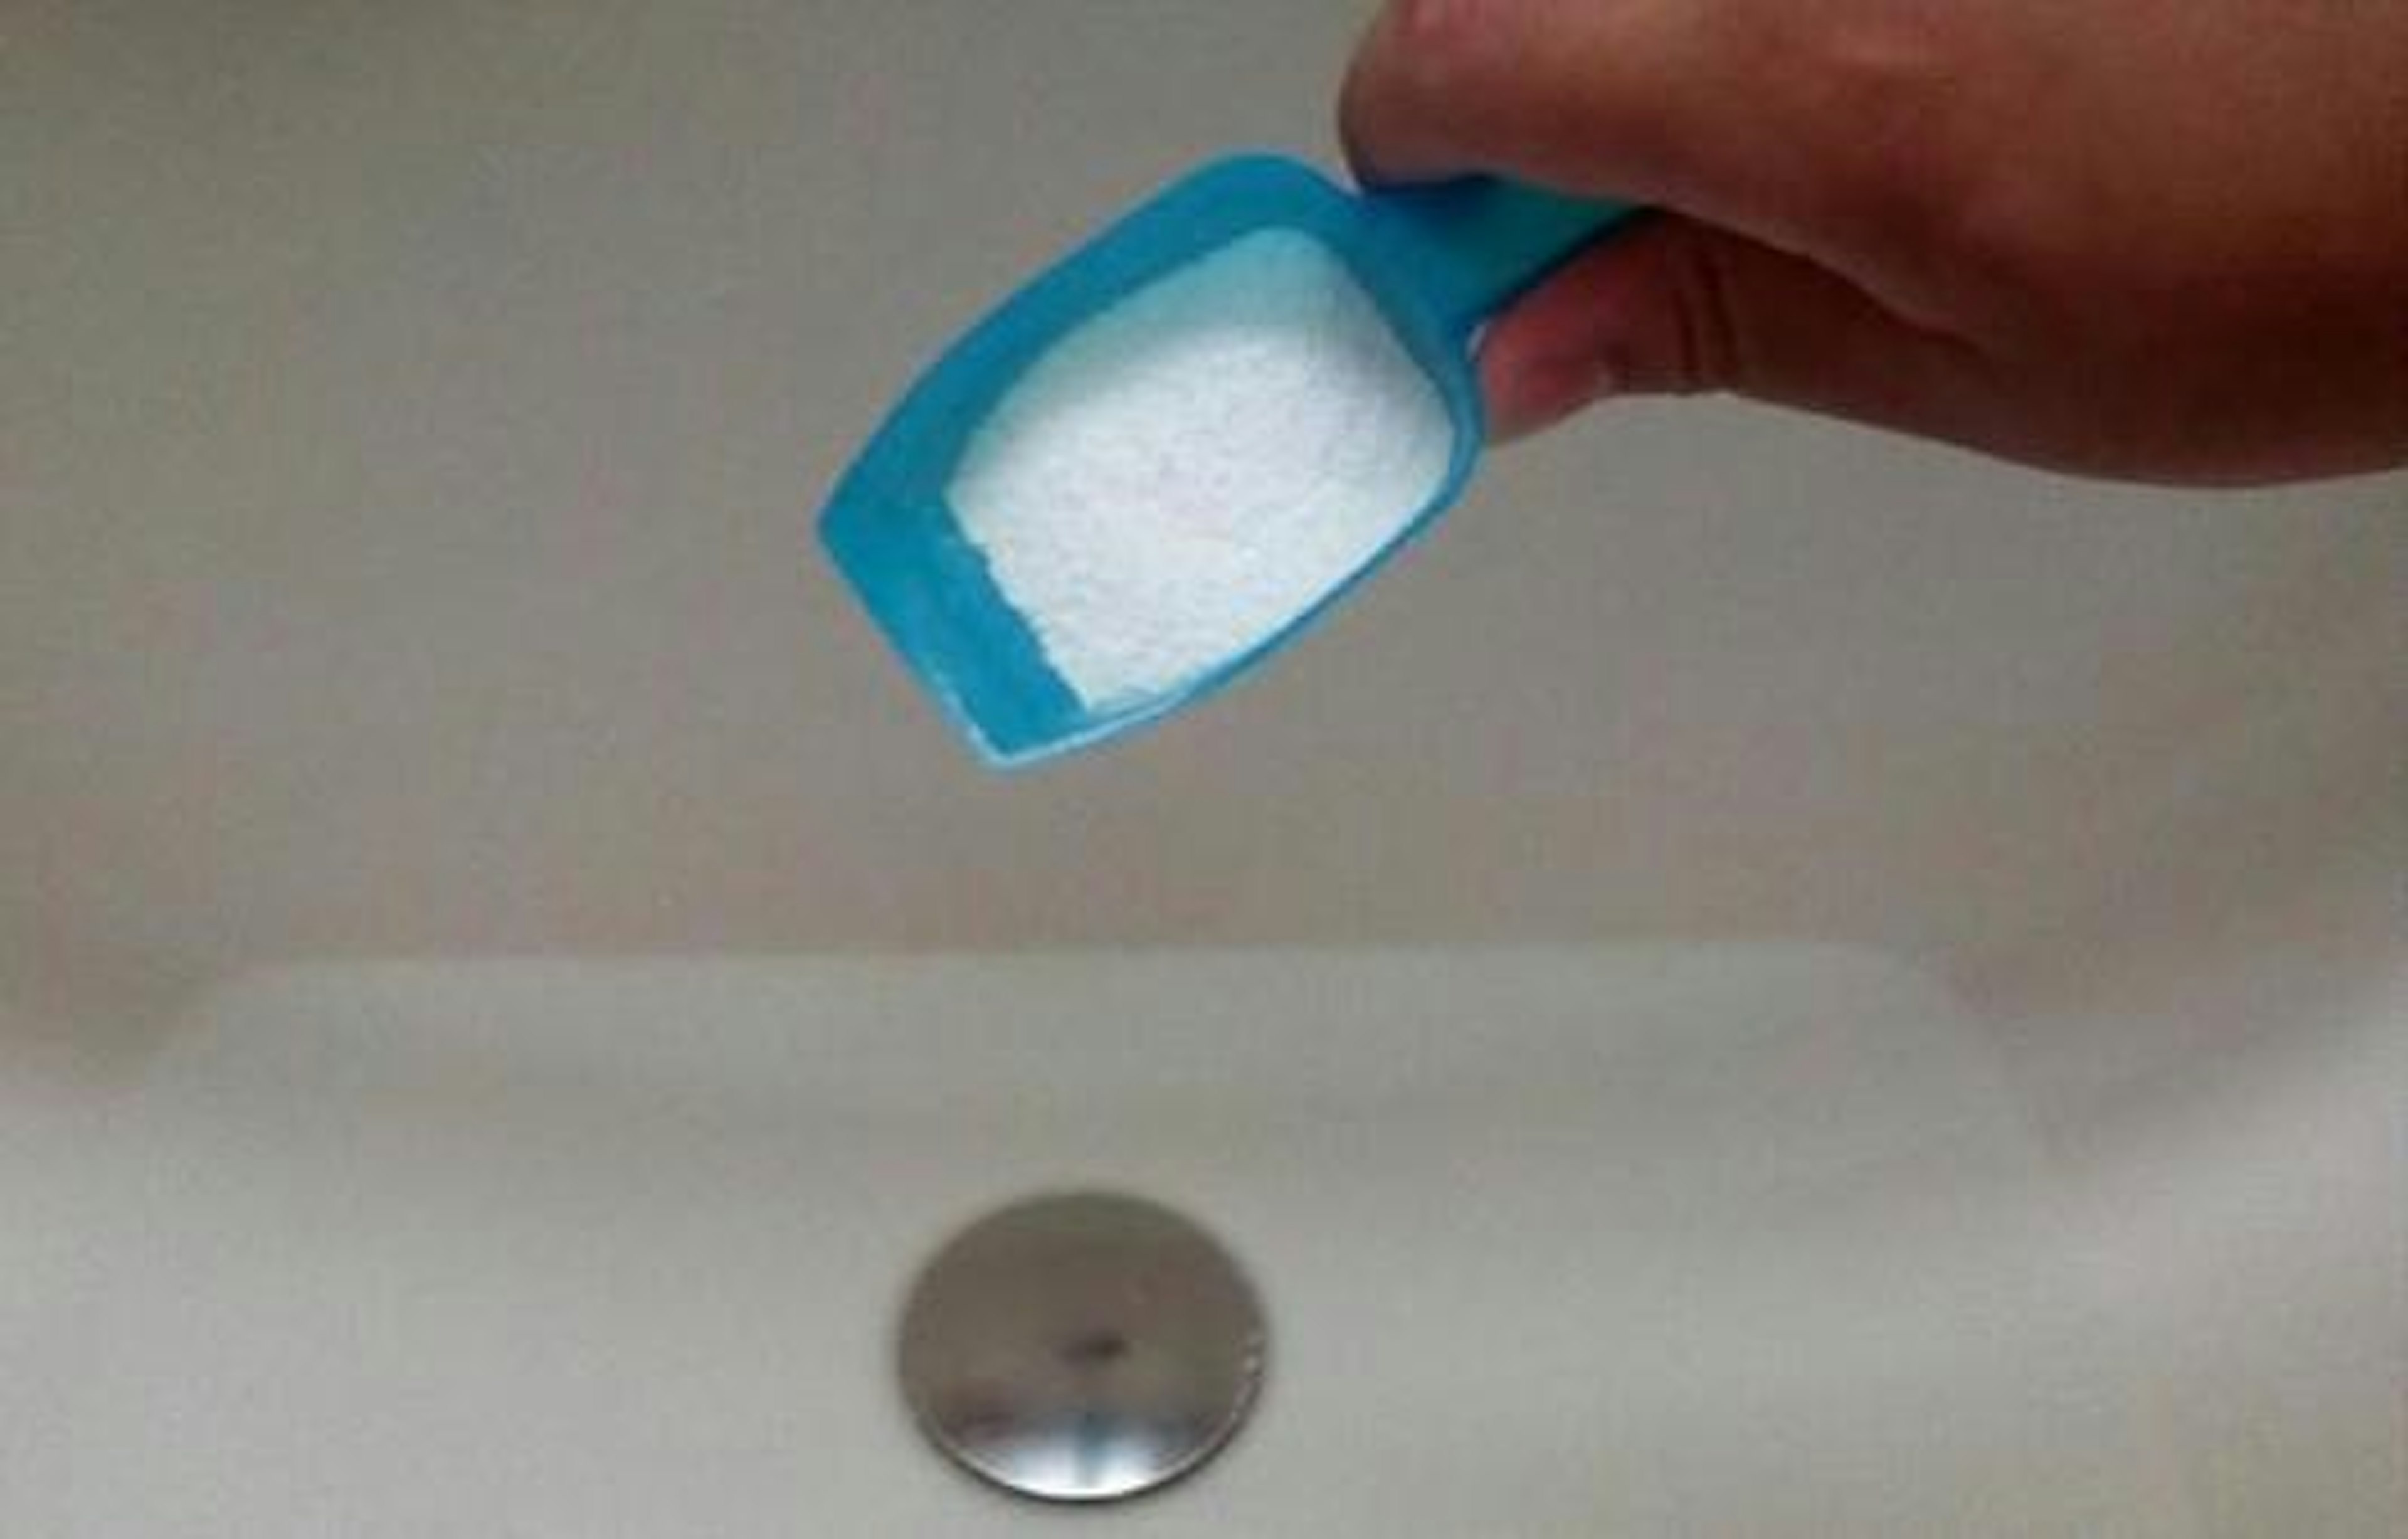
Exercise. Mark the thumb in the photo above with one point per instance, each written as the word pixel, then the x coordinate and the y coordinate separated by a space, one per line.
pixel 1673 307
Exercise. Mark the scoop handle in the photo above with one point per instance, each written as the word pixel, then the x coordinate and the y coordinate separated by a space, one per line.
pixel 1475 243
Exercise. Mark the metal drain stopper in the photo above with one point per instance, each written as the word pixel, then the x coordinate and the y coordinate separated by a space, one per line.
pixel 1082 1348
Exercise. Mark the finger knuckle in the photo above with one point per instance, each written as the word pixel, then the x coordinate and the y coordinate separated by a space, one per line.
pixel 1889 90
pixel 1706 348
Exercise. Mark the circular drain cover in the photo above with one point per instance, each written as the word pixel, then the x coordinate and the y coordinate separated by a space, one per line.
pixel 1082 1348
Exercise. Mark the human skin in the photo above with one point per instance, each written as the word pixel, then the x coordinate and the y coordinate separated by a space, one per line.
pixel 2152 240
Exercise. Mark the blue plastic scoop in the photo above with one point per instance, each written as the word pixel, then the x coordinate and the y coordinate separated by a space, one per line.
pixel 1433 263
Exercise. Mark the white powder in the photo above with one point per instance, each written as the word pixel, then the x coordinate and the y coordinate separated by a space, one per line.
pixel 1180 476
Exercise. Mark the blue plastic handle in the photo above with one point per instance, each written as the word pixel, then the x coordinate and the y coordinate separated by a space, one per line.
pixel 1481 241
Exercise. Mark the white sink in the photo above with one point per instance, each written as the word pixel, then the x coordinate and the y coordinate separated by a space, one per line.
pixel 1767 981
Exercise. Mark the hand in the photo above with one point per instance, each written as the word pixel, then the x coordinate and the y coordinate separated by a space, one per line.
pixel 2164 239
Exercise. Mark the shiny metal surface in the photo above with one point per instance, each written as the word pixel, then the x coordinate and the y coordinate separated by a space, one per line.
pixel 1082 1348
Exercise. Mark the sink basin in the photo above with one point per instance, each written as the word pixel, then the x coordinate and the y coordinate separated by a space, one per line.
pixel 1577 1241
pixel 1768 980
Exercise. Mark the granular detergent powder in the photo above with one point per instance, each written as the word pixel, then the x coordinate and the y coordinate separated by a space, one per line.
pixel 1182 477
